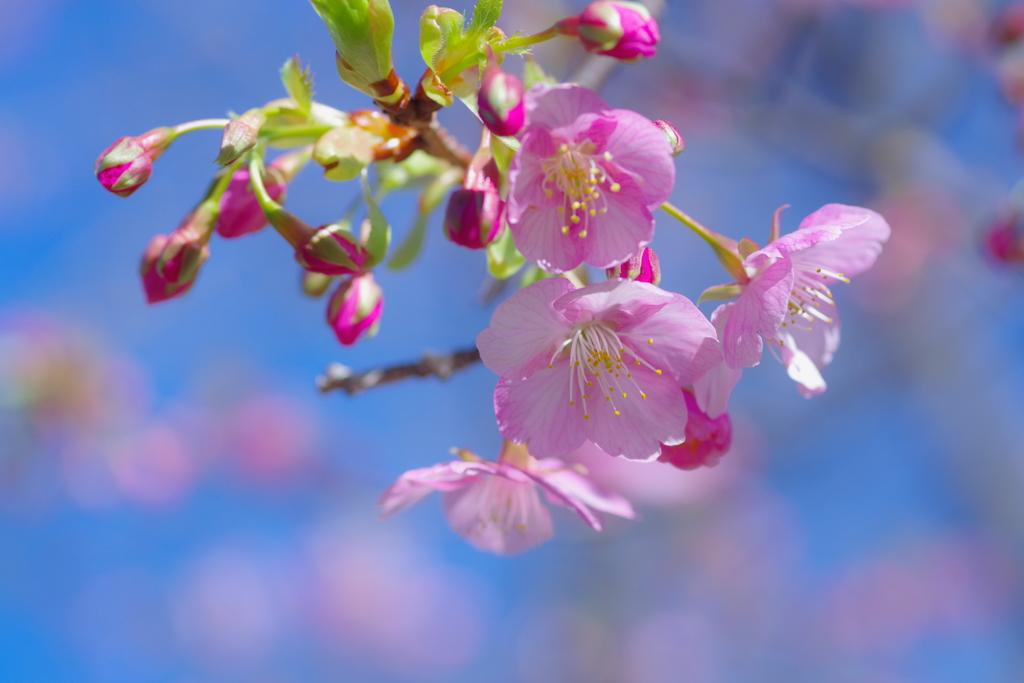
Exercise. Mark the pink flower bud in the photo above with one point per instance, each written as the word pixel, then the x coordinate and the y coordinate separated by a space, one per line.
pixel 707 439
pixel 475 214
pixel 500 101
pixel 643 267
pixel 1001 241
pixel 673 136
pixel 240 212
pixel 1008 24
pixel 332 251
pixel 355 308
pixel 624 30
pixel 126 165
pixel 170 265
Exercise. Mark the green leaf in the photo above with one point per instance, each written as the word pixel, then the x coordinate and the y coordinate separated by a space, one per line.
pixel 439 28
pixel 533 74
pixel 503 259
pixel 379 236
pixel 721 293
pixel 485 15
pixel 298 82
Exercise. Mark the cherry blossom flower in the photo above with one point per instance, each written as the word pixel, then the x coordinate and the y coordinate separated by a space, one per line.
pixel 585 180
pixel 604 363
pixel 787 299
pixel 495 506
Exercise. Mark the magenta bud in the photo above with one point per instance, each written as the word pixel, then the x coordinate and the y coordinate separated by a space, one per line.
pixel 1001 241
pixel 126 165
pixel 643 267
pixel 674 137
pixel 1008 24
pixel 355 308
pixel 475 214
pixel 500 101
pixel 240 212
pixel 170 265
pixel 624 30
pixel 240 136
pixel 332 251
pixel 707 439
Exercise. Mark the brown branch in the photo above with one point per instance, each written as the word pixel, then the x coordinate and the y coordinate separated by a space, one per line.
pixel 420 112
pixel 339 377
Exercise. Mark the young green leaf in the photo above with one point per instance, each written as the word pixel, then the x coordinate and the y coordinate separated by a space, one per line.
pixel 503 259
pixel 379 235
pixel 298 82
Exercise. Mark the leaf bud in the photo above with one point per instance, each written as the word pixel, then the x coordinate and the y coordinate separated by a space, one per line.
pixel 240 136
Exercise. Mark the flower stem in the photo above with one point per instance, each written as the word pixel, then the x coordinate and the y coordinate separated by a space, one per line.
pixel 725 252
pixel 295 132
pixel 201 124
pixel 522 41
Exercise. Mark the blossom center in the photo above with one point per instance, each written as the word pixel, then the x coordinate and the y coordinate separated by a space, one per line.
pixel 807 296
pixel 598 357
pixel 578 174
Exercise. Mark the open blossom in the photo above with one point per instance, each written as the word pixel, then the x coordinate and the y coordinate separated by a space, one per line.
pixel 604 362
pixel 585 180
pixel 787 299
pixel 495 506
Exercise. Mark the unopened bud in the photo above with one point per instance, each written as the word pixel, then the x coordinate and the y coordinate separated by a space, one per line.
pixel 674 137
pixel 1008 24
pixel 126 165
pixel 500 101
pixel 345 151
pixel 707 439
pixel 240 212
pixel 475 214
pixel 643 267
pixel 1001 241
pixel 240 136
pixel 170 263
pixel 355 308
pixel 332 251
pixel 624 30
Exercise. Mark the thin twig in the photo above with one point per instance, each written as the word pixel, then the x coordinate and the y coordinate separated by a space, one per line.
pixel 339 377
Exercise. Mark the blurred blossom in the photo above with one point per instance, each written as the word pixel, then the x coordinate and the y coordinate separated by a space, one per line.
pixel 373 593
pixel 153 467
pixel 672 647
pixel 959 24
pixel 563 642
pixel 272 437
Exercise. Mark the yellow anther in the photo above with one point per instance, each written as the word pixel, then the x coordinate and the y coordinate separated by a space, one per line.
pixel 623 394
pixel 550 366
pixel 548 193
pixel 563 148
pixel 575 219
pixel 583 233
pixel 615 187
pixel 561 209
pixel 617 412
pixel 593 212
pixel 650 341
pixel 589 384
pixel 643 395
pixel 629 374
pixel 603 211
pixel 575 205
pixel 572 403
pixel 565 229
pixel 638 362
pixel 657 372
pixel 584 396
pixel 586 417
pixel 607 398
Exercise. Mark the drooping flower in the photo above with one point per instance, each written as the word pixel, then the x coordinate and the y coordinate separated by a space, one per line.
pixel 604 363
pixel 786 298
pixel 355 308
pixel 495 506
pixel 585 180
pixel 624 30
pixel 707 438
pixel 127 164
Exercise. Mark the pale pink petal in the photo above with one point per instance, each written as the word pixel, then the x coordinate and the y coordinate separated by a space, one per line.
pixel 538 235
pixel 525 330
pixel 623 302
pixel 807 350
pixel 557 106
pixel 712 391
pixel 856 248
pixel 415 485
pixel 758 311
pixel 624 230
pixel 643 424
pixel 569 485
pixel 640 148
pixel 537 410
pixel 792 243
pixel 685 344
pixel 499 515
pixel 526 176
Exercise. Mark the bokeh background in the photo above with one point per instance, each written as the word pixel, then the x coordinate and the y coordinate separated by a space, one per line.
pixel 179 504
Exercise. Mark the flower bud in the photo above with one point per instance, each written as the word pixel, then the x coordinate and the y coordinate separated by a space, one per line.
pixel 171 263
pixel 240 212
pixel 500 101
pixel 1001 241
pixel 355 308
pixel 707 439
pixel 332 251
pixel 475 214
pixel 345 151
pixel 624 30
pixel 240 136
pixel 1008 24
pixel 643 267
pixel 127 164
pixel 674 137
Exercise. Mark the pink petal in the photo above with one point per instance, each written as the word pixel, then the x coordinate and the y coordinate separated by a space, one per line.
pixel 685 342
pixel 623 302
pixel 856 248
pixel 623 231
pixel 415 485
pixel 538 235
pixel 641 149
pixel 526 176
pixel 581 492
pixel 807 350
pixel 712 391
pixel 499 515
pixel 525 330
pixel 758 311
pixel 556 106
pixel 537 409
pixel 643 423
pixel 792 243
